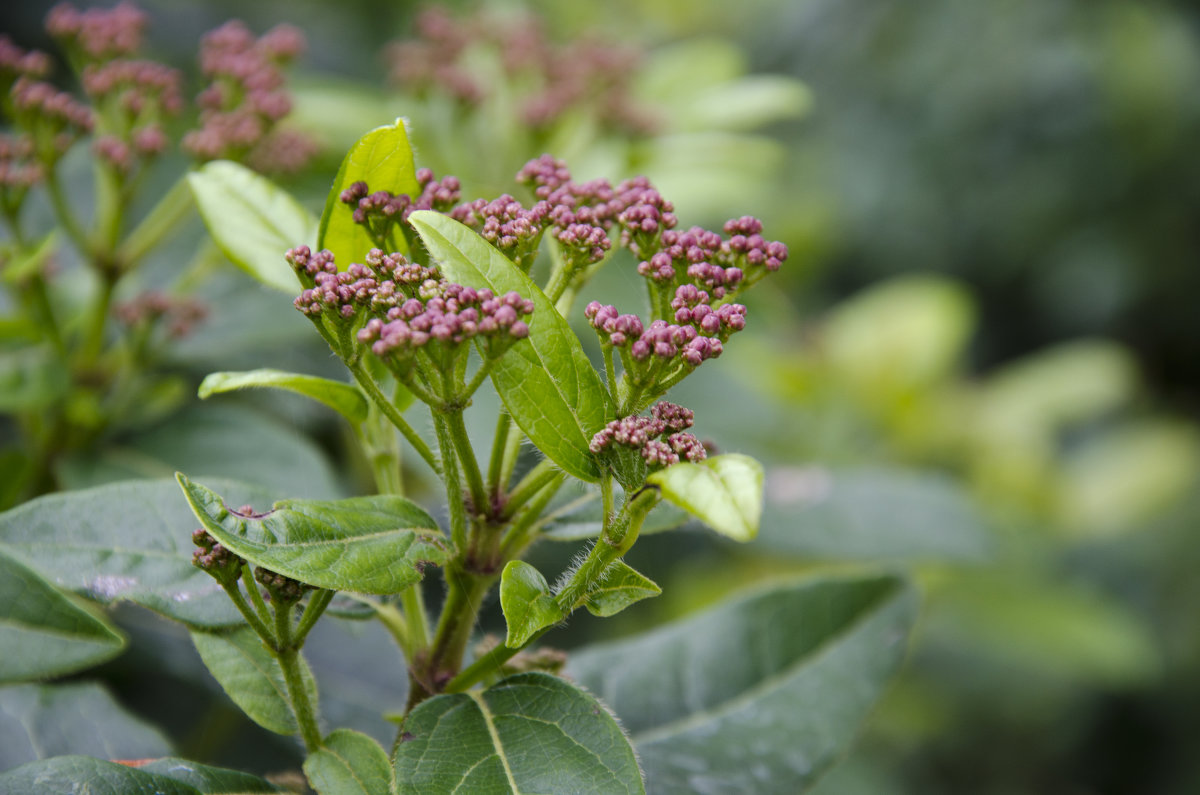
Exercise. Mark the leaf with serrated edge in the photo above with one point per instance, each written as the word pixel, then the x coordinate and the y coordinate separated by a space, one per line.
pixel 376 545
pixel 349 763
pixel 527 603
pixel 252 677
pixel 343 398
pixel 619 587
pixel 546 381
pixel 530 733
pixel 384 160
pixel 725 492
pixel 252 220
pixel 43 631
pixel 770 707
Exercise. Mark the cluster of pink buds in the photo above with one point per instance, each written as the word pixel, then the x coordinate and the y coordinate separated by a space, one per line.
pixel 98 34
pixel 54 119
pixel 379 211
pixel 16 62
pixel 18 170
pixel 181 315
pixel 214 558
pixel 506 224
pixel 659 438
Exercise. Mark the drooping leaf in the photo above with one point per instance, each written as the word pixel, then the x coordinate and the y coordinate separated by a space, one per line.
pixel 383 159
pixel 252 220
pixel 546 382
pixel 208 780
pixel 43 631
pixel 42 721
pixel 125 542
pixel 75 775
pixel 531 733
pixel 757 695
pixel 870 514
pixel 725 492
pixel 252 677
pixel 349 763
pixel 376 545
pixel 343 398
pixel 618 588
pixel 527 602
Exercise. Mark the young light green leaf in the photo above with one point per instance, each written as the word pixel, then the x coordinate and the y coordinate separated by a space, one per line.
pixel 41 721
pixel 725 492
pixel 546 382
pixel 383 159
pixel 43 631
pixel 527 602
pixel 125 542
pixel 252 677
pixel 64 775
pixel 769 670
pixel 531 733
pixel 206 779
pixel 618 588
pixel 376 545
pixel 252 220
pixel 343 398
pixel 349 763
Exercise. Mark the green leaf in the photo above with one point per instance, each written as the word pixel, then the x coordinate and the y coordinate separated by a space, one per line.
pixel 762 694
pixel 527 602
pixel 43 632
pixel 384 160
pixel 376 545
pixel 619 587
pixel 125 542
pixel 251 676
pixel 349 763
pixel 42 721
pixel 206 779
pixel 73 775
pixel 871 514
pixel 725 492
pixel 253 221
pixel 31 379
pixel 343 398
pixel 546 382
pixel 531 733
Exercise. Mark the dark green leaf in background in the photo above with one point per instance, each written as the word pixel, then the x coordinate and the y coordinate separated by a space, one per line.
pixel 349 763
pixel 343 398
pixel 531 733
pixel 759 695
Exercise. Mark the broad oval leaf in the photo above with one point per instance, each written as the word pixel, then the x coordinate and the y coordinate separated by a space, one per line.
pixel 42 721
pixel 349 763
pixel 527 603
pixel 125 542
pixel 43 632
pixel 383 159
pixel 72 775
pixel 253 221
pixel 760 695
pixel 343 398
pixel 725 492
pixel 619 586
pixel 376 545
pixel 208 780
pixel 251 676
pixel 546 382
pixel 530 733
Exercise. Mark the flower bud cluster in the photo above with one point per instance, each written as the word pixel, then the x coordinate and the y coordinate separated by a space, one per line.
pixel 98 34
pixel 181 315
pixel 659 438
pixel 16 62
pixel 718 265
pixel 506 224
pixel 18 170
pixel 379 211
pixel 278 588
pixel 214 558
pixel 54 119
pixel 429 61
pixel 243 104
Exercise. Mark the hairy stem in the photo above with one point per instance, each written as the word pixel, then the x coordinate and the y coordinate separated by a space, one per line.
pixel 393 414
pixel 312 611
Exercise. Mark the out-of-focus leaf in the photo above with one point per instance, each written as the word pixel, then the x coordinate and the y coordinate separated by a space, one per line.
pixel 746 104
pixel 43 632
pixel 31 379
pixel 342 398
pixel 530 733
pixel 725 492
pixel 337 111
pixel 349 763
pixel 762 694
pixel 527 602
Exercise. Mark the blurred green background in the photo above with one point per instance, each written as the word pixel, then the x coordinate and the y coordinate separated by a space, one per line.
pixel 980 364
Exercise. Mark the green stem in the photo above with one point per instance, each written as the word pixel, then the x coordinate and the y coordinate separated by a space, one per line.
pixel 255 595
pixel 416 619
pixel 530 485
pixel 463 600
pixel 174 206
pixel 394 621
pixel 484 666
pixel 392 413
pixel 260 629
pixel 476 380
pixel 454 496
pixel 466 457
pixel 610 371
pixel 559 281
pixel 496 462
pixel 93 334
pixel 64 214
pixel 43 312
pixel 289 662
pixel 312 611
pixel 523 529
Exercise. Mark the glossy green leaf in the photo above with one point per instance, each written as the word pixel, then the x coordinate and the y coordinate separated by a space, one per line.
pixel 125 542
pixel 618 588
pixel 251 676
pixel 383 159
pixel 43 631
pixel 349 763
pixel 252 220
pixel 527 602
pixel 75 775
pixel 725 492
pixel 531 733
pixel 31 379
pixel 761 694
pixel 546 382
pixel 343 398
pixel 376 545
pixel 42 721
pixel 206 779
pixel 871 514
